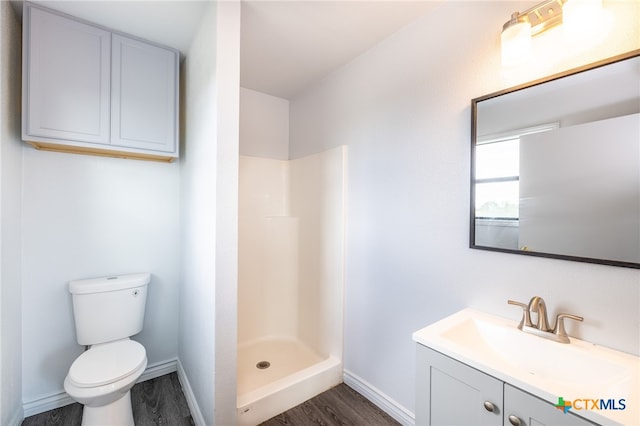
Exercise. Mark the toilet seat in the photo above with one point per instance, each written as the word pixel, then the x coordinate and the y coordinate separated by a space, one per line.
pixel 106 363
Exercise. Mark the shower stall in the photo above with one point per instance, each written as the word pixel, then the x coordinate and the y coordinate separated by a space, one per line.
pixel 290 281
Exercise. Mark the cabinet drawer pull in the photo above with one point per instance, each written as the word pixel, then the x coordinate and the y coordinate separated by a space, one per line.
pixel 489 406
pixel 514 420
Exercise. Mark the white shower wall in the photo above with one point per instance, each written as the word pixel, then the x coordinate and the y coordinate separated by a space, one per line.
pixel 317 191
pixel 266 264
pixel 291 250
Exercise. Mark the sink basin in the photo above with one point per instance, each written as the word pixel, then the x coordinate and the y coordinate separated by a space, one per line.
pixel 539 357
pixel 547 369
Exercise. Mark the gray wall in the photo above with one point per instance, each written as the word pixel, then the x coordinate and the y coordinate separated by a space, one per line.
pixel 68 217
pixel 10 212
pixel 403 109
pixel 209 208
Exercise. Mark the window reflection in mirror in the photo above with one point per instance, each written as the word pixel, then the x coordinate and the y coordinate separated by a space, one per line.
pixel 497 187
pixel 557 166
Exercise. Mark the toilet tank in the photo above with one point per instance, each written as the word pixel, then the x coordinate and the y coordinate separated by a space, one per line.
pixel 109 308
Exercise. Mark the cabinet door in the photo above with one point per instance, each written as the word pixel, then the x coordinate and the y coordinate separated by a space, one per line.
pixel 144 99
pixel 451 393
pixel 523 409
pixel 66 74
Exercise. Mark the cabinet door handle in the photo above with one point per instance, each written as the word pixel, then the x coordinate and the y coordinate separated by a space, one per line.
pixel 489 406
pixel 514 420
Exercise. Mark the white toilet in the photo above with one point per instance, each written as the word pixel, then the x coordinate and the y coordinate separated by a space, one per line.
pixel 107 311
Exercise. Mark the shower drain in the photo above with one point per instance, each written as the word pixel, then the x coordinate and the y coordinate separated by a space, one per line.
pixel 263 364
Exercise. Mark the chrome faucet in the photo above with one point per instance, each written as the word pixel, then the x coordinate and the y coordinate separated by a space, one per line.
pixel 537 304
pixel 541 327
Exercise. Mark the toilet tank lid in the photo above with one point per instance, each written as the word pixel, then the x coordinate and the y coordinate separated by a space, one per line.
pixel 111 283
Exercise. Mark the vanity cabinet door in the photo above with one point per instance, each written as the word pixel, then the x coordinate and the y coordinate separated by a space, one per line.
pixel 144 95
pixel 66 79
pixel 524 409
pixel 451 393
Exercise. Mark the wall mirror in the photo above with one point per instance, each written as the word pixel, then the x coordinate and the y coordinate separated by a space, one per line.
pixel 555 166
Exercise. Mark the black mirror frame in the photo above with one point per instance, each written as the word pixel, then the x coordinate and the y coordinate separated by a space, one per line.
pixel 474 107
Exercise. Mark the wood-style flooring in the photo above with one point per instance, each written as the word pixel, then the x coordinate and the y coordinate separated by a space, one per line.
pixel 158 401
pixel 339 406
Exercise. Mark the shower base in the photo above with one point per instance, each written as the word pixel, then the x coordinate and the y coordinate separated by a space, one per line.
pixel 295 373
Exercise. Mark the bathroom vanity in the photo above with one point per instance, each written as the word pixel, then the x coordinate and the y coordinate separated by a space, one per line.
pixel 475 368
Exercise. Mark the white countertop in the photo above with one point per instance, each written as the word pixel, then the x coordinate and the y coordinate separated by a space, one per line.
pixel 542 367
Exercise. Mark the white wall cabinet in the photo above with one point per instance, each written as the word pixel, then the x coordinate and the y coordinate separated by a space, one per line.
pixel 452 393
pixel 89 90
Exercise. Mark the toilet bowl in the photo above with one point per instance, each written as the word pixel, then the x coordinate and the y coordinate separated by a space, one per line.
pixel 107 311
pixel 101 379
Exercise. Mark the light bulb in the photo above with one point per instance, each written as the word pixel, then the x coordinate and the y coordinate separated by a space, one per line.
pixel 516 41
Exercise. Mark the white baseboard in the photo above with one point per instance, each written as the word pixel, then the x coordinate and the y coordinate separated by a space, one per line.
pixel 379 398
pixel 196 414
pixel 46 403
pixel 60 399
pixel 159 369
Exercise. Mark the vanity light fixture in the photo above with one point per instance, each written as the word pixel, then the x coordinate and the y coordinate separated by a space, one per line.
pixel 582 20
pixel 579 16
